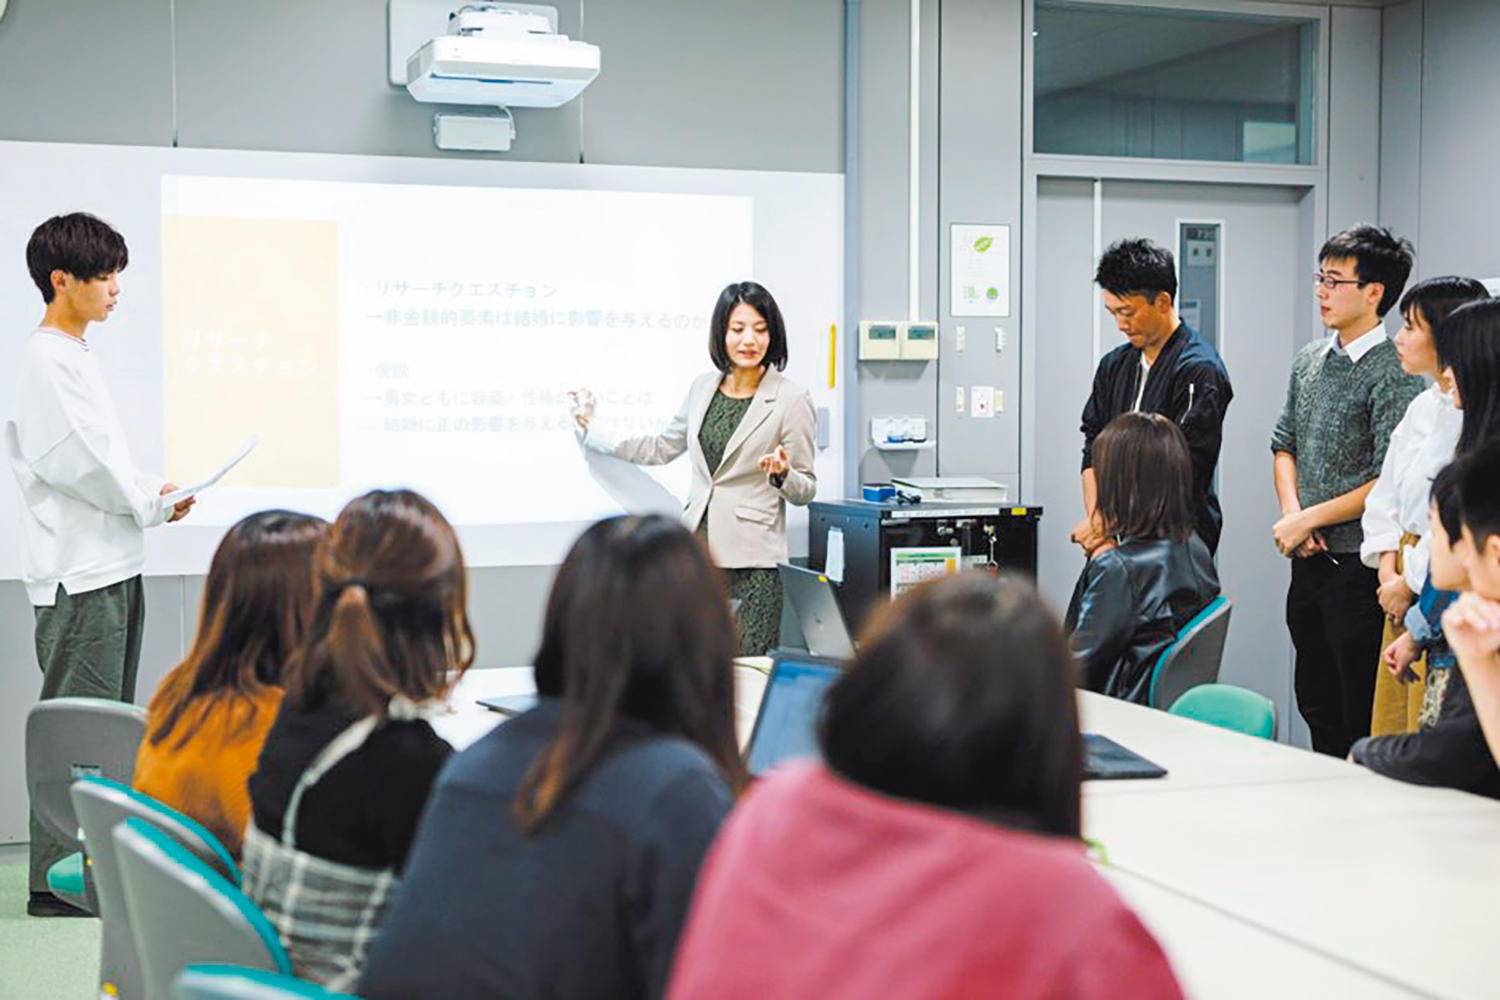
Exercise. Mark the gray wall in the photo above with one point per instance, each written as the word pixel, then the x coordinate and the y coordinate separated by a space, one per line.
pixel 969 144
pixel 1440 88
pixel 689 84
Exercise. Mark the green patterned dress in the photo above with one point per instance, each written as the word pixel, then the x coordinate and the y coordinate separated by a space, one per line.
pixel 757 590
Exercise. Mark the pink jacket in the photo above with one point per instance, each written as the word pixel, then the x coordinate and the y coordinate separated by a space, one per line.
pixel 818 888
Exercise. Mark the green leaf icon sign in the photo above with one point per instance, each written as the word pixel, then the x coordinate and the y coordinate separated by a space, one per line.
pixel 982 244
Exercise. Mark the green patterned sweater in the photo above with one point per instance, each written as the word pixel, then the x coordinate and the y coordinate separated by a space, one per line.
pixel 1337 422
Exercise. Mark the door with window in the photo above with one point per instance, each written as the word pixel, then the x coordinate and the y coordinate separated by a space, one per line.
pixel 1244 256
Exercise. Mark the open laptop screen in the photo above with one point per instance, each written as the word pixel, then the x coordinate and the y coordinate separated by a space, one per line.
pixel 785 729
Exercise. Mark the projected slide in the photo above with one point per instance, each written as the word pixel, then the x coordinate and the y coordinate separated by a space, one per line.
pixel 390 334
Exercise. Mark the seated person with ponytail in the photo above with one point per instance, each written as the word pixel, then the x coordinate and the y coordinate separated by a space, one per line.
pixel 209 718
pixel 350 760
pixel 1152 574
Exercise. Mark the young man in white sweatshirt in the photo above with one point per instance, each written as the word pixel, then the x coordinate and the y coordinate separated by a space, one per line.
pixel 85 506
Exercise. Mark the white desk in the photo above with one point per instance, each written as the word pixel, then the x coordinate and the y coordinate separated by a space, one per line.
pixel 1197 755
pixel 467 720
pixel 1218 957
pixel 1399 880
pixel 1263 870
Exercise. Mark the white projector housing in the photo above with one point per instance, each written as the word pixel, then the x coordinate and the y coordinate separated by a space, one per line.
pixel 511 70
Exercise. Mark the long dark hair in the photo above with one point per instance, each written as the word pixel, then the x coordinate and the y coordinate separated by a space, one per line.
pixel 962 697
pixel 1145 478
pixel 1468 341
pixel 637 638
pixel 256 605
pixel 390 599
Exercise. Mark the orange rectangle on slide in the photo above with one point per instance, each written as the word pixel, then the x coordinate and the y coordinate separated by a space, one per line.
pixel 250 337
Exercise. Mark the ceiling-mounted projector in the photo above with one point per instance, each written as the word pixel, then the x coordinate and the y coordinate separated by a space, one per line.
pixel 495 54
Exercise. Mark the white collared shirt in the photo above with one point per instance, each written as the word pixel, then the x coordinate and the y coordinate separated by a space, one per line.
pixel 1422 443
pixel 1359 346
pixel 84 504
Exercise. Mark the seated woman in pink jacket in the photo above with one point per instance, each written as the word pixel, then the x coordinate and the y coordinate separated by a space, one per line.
pixel 936 853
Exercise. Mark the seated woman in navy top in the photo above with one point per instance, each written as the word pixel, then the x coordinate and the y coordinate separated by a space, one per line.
pixel 1154 574
pixel 558 854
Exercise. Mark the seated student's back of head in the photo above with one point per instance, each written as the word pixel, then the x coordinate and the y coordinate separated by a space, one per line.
pixel 637 632
pixel 346 769
pixel 210 715
pixel 961 697
pixel 390 607
pixel 559 853
pixel 936 853
pixel 1145 478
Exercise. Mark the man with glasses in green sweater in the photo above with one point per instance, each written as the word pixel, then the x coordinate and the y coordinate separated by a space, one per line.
pixel 1346 394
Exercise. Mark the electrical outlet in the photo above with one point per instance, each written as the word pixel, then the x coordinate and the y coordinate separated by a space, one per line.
pixel 982 401
pixel 960 335
pixel 999 342
pixel 958 399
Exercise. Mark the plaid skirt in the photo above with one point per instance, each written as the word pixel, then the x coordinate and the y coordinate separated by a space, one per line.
pixel 326 913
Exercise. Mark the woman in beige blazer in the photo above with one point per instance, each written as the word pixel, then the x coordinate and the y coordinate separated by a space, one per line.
pixel 748 432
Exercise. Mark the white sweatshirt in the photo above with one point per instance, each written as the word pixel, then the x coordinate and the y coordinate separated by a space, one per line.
pixel 85 508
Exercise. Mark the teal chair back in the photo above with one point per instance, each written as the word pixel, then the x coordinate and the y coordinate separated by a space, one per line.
pixel 1194 656
pixel 1229 707
pixel 101 804
pixel 231 982
pixel 184 912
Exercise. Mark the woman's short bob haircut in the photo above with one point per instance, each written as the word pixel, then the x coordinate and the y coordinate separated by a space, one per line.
pixel 1435 299
pixel 961 697
pixel 756 297
pixel 1145 477
pixel 636 641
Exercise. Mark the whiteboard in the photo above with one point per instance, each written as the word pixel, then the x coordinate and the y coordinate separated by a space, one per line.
pixel 792 236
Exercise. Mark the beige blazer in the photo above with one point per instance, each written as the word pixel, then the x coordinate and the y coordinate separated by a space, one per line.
pixel 746 514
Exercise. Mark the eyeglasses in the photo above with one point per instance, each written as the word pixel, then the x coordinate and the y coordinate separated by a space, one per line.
pixel 1329 282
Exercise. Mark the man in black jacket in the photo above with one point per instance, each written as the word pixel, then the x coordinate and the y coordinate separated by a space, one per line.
pixel 1165 368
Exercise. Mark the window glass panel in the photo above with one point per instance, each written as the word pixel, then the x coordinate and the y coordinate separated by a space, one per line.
pixel 1173 84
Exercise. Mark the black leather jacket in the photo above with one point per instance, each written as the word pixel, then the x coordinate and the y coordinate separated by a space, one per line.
pixel 1128 606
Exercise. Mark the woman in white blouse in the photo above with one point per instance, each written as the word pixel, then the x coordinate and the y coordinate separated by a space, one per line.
pixel 1395 518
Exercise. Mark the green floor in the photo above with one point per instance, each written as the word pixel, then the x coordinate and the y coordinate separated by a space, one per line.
pixel 42 959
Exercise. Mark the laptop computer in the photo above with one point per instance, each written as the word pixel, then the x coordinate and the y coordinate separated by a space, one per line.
pixel 786 725
pixel 812 597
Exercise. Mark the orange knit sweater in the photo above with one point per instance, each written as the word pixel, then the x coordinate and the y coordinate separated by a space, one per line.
pixel 207 777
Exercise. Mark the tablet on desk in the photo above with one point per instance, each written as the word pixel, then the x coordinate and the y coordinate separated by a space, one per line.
pixel 1104 758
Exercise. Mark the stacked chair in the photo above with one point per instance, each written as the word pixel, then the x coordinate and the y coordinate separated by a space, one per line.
pixel 69 738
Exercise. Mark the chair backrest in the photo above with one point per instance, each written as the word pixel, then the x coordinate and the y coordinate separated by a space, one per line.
pixel 100 805
pixel 1194 656
pixel 231 982
pixel 67 738
pixel 1229 707
pixel 183 912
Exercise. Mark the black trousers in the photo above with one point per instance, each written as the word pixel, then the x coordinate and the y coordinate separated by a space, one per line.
pixel 1336 625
